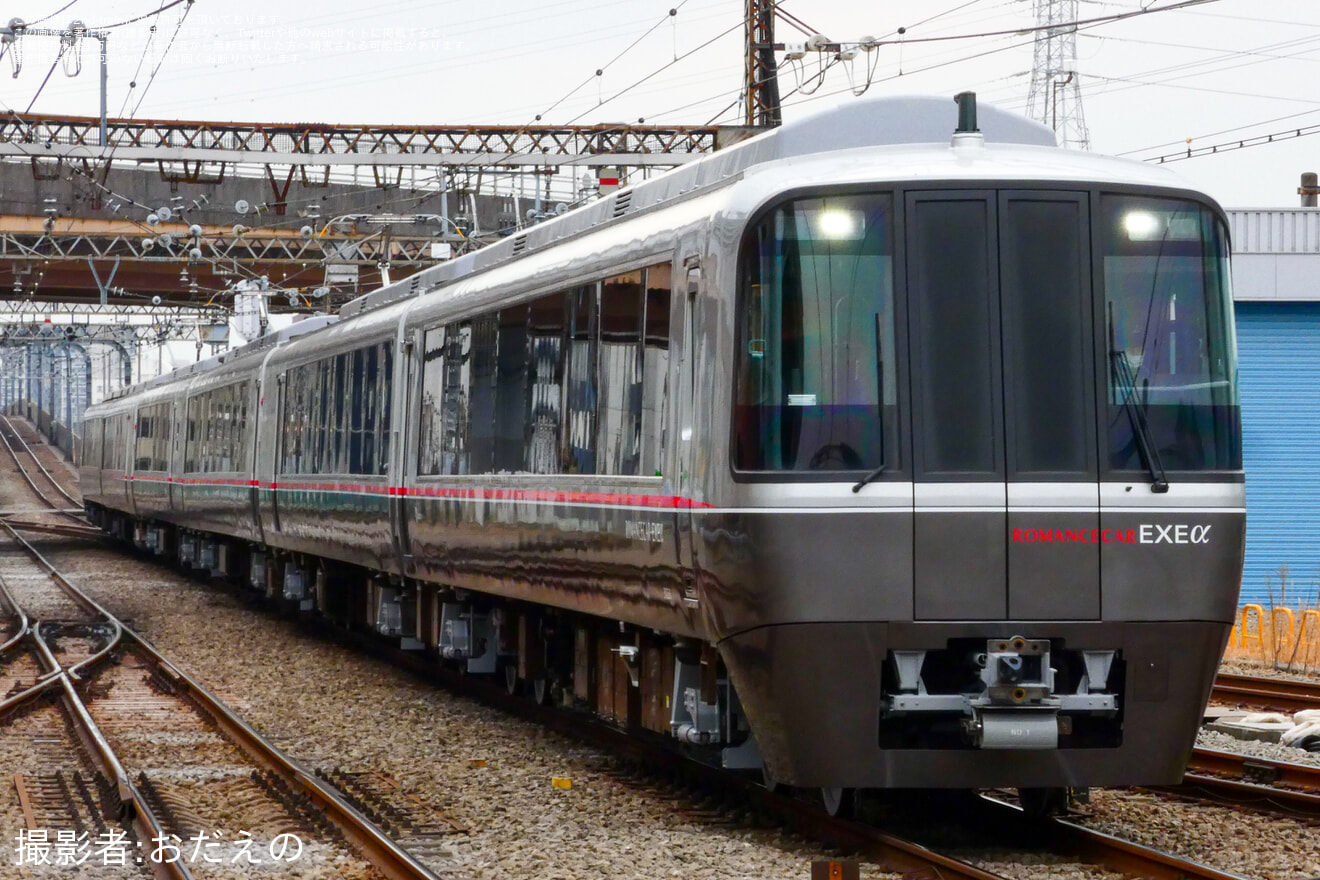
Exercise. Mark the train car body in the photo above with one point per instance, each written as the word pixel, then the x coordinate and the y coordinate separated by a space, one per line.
pixel 869 456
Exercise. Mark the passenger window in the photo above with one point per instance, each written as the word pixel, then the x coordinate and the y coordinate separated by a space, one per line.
pixel 511 392
pixel 655 366
pixel 621 309
pixel 429 423
pixel 454 401
pixel 545 329
pixel 481 408
pixel 580 411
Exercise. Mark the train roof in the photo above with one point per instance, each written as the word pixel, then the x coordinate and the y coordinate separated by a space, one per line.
pixel 300 328
pixel 903 129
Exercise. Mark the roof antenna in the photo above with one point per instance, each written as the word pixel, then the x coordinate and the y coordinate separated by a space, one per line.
pixel 966 102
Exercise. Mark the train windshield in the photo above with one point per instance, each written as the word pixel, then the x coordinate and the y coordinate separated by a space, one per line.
pixel 1170 350
pixel 815 362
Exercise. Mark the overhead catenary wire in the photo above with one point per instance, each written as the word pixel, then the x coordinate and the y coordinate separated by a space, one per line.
pixel 46 18
pixel 155 70
pixel 143 17
pixel 42 87
pixel 1218 133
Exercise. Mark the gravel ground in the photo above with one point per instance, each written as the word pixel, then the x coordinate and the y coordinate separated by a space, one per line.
pixel 1263 670
pixel 1213 739
pixel 1237 841
pixel 330 708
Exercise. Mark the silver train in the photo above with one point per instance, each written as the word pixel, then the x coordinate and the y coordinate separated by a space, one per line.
pixel 868 452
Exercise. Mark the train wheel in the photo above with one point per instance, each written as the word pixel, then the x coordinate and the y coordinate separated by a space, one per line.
pixel 511 677
pixel 838 802
pixel 1042 802
pixel 540 690
pixel 768 782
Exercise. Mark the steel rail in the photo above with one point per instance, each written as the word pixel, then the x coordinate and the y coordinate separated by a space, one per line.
pixel 1108 851
pixel 79 598
pixel 392 860
pixel 68 531
pixel 1276 694
pixel 132 805
pixel 41 467
pixel 898 854
pixel 19 613
pixel 28 477
pixel 1229 777
pixel 1302 776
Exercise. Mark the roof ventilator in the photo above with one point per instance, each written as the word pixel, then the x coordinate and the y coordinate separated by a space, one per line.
pixel 519 244
pixel 622 202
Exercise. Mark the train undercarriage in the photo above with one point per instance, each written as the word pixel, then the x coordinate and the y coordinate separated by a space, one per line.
pixel 652 683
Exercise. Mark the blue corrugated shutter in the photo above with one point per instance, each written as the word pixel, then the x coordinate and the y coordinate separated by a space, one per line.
pixel 1279 363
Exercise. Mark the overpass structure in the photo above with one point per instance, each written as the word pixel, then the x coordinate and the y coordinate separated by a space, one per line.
pixel 124 234
pixel 175 209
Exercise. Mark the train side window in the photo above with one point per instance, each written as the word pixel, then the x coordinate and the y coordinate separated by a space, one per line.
pixel 223 430
pixel 655 366
pixel 316 428
pixel 337 454
pixel 140 442
pixel 511 391
pixel 456 399
pixel 622 306
pixel 359 404
pixel 294 421
pixel 545 342
pixel 430 429
pixel 484 359
pixel 582 385
pixel 192 434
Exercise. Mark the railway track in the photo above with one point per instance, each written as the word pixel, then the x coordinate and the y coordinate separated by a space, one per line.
pixel 133 740
pixel 1268 694
pixel 1256 783
pixel 798 812
pixel 45 487
pixel 151 695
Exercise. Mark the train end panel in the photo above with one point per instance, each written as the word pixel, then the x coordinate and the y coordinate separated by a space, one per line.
pixel 827 702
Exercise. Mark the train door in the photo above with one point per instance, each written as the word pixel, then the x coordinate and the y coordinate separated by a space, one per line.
pixel 686 446
pixel 130 419
pixel 403 456
pixel 174 465
pixel 1006 495
pixel 277 442
pixel 253 433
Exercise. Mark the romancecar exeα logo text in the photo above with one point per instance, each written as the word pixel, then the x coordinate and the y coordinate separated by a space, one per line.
pixel 1146 533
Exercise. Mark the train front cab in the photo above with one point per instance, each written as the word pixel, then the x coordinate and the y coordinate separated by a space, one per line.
pixel 986 449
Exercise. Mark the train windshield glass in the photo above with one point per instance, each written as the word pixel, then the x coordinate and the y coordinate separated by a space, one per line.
pixel 1170 350
pixel 815 384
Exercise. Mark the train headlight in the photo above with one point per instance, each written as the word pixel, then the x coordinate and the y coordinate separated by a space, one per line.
pixel 838 224
pixel 1141 226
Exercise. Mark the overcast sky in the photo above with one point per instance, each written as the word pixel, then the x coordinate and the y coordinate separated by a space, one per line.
pixel 1215 73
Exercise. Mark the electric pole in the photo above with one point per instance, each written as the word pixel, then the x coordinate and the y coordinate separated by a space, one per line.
pixel 1055 97
pixel 761 82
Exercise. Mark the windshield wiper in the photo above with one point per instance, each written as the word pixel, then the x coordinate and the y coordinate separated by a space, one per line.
pixel 880 403
pixel 869 477
pixel 1140 430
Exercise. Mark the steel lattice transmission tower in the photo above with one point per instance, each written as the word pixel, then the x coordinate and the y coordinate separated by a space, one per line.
pixel 1055 97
